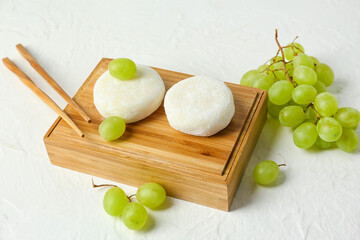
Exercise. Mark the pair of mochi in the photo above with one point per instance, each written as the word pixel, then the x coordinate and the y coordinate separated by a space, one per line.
pixel 198 105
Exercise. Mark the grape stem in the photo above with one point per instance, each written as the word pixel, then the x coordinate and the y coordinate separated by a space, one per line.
pixel 317 114
pixel 110 185
pixel 281 165
pixel 132 195
pixel 101 185
pixel 283 56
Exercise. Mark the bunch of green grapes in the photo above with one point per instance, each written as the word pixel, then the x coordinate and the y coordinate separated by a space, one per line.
pixel 296 85
pixel 134 214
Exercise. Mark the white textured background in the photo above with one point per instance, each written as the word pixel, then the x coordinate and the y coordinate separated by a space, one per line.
pixel 318 194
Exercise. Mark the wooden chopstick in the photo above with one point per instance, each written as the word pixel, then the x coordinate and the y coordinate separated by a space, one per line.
pixel 45 98
pixel 51 81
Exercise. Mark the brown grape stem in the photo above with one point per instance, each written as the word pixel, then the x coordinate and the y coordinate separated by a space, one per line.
pixel 283 56
pixel 110 185
pixel 129 197
pixel 101 185
pixel 282 165
pixel 317 114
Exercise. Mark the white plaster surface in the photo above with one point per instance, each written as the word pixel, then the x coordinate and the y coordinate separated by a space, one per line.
pixel 318 194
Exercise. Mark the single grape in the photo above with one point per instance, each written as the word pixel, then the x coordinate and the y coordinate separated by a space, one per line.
pixel 322 144
pixel 349 140
pixel 277 70
pixel 134 216
pixel 262 68
pixel 290 68
pixel 329 129
pixel 266 172
pixel 151 195
pixel 274 109
pixel 291 116
pixel 114 201
pixel 305 135
pixel 316 61
pixel 272 77
pixel 247 77
pixel 304 94
pixel 304 75
pixel 326 104
pixel 348 117
pixel 320 87
pixel 292 50
pixel 112 128
pixel 122 68
pixel 310 115
pixel 262 81
pixel 303 60
pixel 280 92
pixel 325 74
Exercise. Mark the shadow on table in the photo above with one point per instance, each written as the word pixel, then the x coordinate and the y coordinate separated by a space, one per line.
pixel 261 152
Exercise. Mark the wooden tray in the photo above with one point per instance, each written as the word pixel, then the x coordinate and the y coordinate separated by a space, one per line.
pixel 205 170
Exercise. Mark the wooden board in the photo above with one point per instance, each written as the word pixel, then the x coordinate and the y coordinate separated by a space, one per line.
pixel 152 149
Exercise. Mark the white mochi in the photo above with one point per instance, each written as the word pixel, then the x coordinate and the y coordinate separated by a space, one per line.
pixel 132 100
pixel 199 106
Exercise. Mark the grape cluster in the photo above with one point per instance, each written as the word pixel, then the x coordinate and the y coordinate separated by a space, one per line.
pixel 296 85
pixel 134 214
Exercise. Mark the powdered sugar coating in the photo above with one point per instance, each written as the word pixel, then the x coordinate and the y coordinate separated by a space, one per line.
pixel 199 106
pixel 132 100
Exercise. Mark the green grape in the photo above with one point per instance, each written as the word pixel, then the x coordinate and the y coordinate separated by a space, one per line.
pixel 262 68
pixel 320 87
pixel 348 117
pixel 304 94
pixel 322 144
pixel 247 77
pixel 304 75
pixel 134 216
pixel 291 116
pixel 276 59
pixel 262 81
pixel 114 201
pixel 349 141
pixel 266 172
pixel 316 61
pixel 305 135
pixel 277 70
pixel 272 77
pixel 329 129
pixel 326 104
pixel 303 60
pixel 293 50
pixel 325 74
pixel 112 128
pixel 310 115
pixel 290 68
pixel 122 68
pixel 274 109
pixel 280 92
pixel 152 195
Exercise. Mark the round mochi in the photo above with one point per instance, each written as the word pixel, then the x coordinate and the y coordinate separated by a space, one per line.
pixel 132 100
pixel 199 106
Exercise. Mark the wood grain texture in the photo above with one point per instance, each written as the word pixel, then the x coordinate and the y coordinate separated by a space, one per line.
pixel 205 170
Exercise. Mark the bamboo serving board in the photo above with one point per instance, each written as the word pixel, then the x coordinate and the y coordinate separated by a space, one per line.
pixel 205 170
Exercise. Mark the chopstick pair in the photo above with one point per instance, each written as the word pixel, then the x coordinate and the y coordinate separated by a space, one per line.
pixel 43 96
